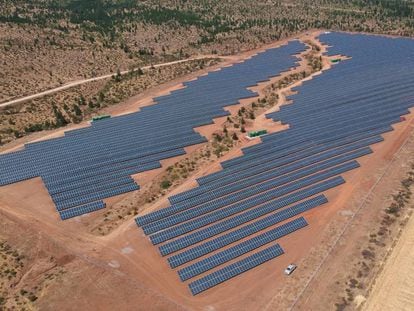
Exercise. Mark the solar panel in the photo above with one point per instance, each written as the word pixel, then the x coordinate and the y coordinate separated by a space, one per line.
pixel 80 210
pixel 333 120
pixel 240 249
pixel 243 232
pixel 237 208
pixel 265 184
pixel 235 269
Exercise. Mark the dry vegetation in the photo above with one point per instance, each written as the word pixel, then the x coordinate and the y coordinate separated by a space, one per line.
pixel 79 103
pixel 374 247
pixel 47 43
pixel 25 271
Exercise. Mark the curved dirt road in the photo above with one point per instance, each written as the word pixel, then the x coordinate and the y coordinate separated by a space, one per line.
pixel 79 82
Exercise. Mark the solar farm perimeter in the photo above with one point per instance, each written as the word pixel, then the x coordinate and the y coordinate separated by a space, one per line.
pixel 230 237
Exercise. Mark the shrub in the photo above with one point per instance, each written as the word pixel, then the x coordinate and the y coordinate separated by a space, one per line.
pixel 165 184
pixel 32 297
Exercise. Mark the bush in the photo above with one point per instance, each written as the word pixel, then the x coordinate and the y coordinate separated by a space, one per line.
pixel 77 110
pixel 165 184
pixel 367 254
pixel 392 209
pixel 33 128
pixel 17 134
pixel 218 138
pixel 32 297
pixel 60 119
pixel 353 283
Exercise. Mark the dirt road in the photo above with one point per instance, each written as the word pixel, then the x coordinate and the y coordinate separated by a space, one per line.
pixel 79 82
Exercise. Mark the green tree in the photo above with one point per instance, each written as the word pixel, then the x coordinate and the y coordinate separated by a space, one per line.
pixel 77 110
pixel 60 119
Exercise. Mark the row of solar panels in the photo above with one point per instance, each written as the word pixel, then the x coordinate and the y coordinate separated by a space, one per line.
pixel 267 171
pixel 234 269
pixel 218 201
pixel 249 229
pixel 110 166
pixel 249 202
pixel 80 210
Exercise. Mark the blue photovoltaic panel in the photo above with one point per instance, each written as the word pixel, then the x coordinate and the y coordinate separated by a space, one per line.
pixel 203 233
pixel 235 269
pixel 318 161
pixel 244 231
pixel 80 210
pixel 247 192
pixel 238 250
pixel 253 168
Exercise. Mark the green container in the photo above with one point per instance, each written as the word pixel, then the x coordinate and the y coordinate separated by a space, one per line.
pixel 336 60
pixel 257 133
pixel 97 118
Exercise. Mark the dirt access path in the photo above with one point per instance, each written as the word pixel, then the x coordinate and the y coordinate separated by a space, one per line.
pixel 107 76
pixel 338 259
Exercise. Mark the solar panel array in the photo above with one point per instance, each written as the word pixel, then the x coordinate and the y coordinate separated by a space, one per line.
pixel 239 249
pixel 235 269
pixel 80 210
pixel 333 120
pixel 96 162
